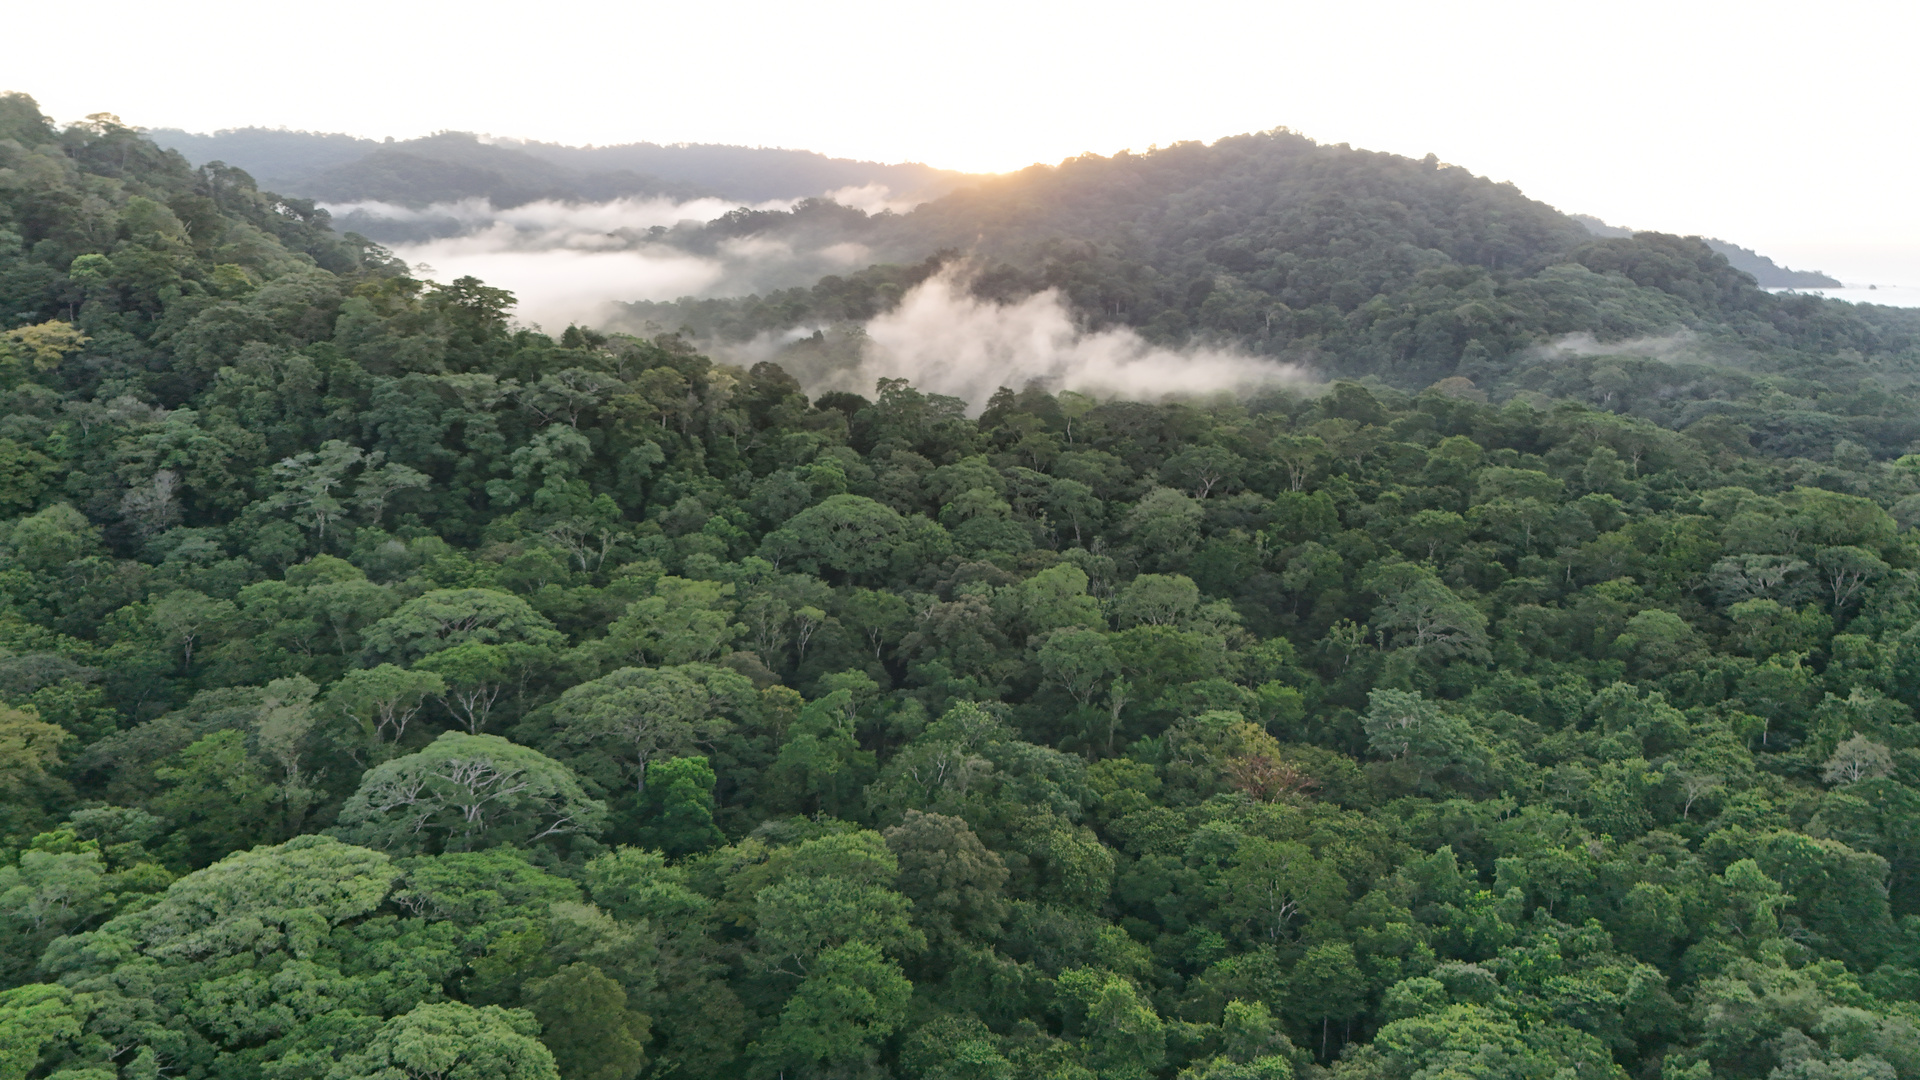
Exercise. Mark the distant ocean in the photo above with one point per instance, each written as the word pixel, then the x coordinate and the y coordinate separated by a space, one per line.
pixel 1890 295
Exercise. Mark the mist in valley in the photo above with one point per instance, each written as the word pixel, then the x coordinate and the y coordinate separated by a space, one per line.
pixel 571 262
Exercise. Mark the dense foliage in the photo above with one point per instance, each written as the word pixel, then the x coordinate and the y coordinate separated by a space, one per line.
pixel 391 693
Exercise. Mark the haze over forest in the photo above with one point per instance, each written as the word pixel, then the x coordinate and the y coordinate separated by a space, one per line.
pixel 1259 610
pixel 551 216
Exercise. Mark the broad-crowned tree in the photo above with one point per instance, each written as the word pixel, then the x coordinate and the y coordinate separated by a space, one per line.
pixel 472 676
pixel 451 1041
pixel 683 622
pixel 635 715
pixel 378 703
pixel 845 537
pixel 465 792
pixel 443 618
pixel 218 957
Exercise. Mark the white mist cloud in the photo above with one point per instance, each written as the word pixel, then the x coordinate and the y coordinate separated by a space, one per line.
pixel 848 254
pixel 466 211
pixel 561 219
pixel 557 286
pixel 873 199
pixel 947 341
pixel 1662 347
pixel 550 222
pixel 568 262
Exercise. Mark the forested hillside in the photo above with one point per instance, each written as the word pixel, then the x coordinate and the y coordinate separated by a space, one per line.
pixel 1352 262
pixel 393 693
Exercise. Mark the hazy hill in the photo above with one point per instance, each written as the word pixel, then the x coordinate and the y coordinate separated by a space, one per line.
pixel 1355 263
pixel 753 174
pixel 416 173
pixel 275 157
pixel 1265 238
pixel 1600 228
pixel 1175 240
pixel 1766 273
pixel 454 165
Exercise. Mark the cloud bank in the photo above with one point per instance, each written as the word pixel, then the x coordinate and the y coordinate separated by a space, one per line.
pixel 558 286
pixel 568 262
pixel 945 340
pixel 872 199
pixel 1582 343
pixel 547 222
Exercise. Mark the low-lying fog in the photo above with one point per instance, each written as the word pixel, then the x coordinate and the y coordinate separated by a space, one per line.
pixel 945 340
pixel 568 261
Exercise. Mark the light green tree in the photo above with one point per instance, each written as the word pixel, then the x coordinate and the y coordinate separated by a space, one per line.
pixel 1425 616
pixel 683 622
pixel 472 676
pixel 185 618
pixel 443 618
pixel 451 1041
pixel 381 701
pixel 33 1018
pixel 1858 758
pixel 635 715
pixel 851 1000
pixel 307 482
pixel 1120 1034
pixel 1269 885
pixel 380 481
pixel 1430 741
pixel 465 792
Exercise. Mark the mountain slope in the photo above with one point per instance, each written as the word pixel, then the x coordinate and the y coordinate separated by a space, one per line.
pixel 344 168
pixel 754 174
pixel 275 156
pixel 1358 264
pixel 1191 239
pixel 454 165
pixel 1767 273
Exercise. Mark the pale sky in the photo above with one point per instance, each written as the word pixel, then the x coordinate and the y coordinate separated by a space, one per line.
pixel 1784 127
